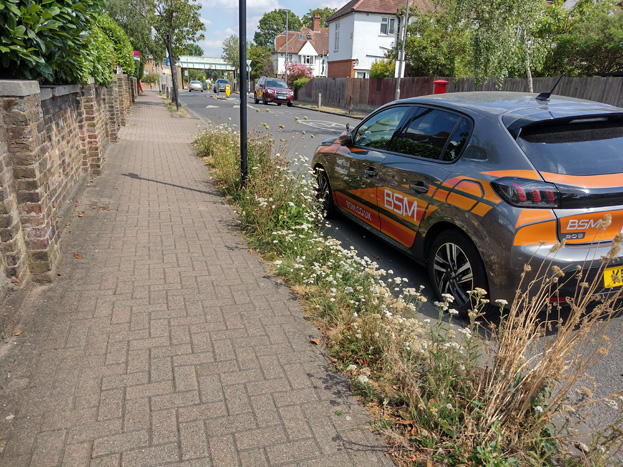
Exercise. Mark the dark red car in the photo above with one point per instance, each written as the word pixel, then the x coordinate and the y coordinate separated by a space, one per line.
pixel 273 90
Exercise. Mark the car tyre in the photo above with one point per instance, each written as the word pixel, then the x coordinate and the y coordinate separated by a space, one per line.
pixel 289 104
pixel 279 104
pixel 324 194
pixel 257 101
pixel 455 268
pixel 264 101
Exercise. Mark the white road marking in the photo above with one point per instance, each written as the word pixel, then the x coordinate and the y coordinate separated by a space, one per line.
pixel 322 124
pixel 211 106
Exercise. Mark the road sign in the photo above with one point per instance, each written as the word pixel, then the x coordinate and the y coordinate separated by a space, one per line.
pixel 167 62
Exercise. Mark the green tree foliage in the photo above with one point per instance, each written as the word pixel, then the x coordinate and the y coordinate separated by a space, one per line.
pixel 382 69
pixel 324 14
pixel 506 39
pixel 272 24
pixel 231 51
pixel 194 50
pixel 121 44
pixel 178 25
pixel 46 39
pixel 588 39
pixel 100 55
pixel 260 59
pixel 133 17
pixel 437 44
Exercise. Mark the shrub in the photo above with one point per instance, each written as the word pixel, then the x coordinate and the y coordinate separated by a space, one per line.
pixel 299 83
pixel 382 69
pixel 296 71
pixel 46 39
pixel 150 78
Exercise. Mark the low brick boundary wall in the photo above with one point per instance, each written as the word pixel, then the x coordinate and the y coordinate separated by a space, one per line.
pixel 52 139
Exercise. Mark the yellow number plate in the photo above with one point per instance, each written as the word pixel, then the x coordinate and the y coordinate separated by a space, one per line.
pixel 613 277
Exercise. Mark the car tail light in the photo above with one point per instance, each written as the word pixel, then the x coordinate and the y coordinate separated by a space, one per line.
pixel 525 193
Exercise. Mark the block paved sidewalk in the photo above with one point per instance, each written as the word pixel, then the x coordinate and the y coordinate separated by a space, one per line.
pixel 167 342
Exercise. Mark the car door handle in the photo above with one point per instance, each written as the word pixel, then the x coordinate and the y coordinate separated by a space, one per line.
pixel 419 187
pixel 371 173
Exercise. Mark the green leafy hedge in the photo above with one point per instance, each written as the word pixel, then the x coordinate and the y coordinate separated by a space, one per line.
pixel 61 41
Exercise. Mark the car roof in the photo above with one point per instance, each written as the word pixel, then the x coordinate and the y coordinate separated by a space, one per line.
pixel 516 108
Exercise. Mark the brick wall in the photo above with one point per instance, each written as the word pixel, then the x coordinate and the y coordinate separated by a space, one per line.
pixel 52 138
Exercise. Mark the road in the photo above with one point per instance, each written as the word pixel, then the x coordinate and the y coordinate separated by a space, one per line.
pixel 608 374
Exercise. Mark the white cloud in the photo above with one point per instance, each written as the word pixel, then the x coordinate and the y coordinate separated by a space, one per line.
pixel 207 22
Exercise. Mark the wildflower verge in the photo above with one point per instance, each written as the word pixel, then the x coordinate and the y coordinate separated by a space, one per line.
pixel 502 395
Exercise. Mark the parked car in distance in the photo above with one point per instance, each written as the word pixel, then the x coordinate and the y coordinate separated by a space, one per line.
pixel 220 85
pixel 476 185
pixel 195 86
pixel 273 90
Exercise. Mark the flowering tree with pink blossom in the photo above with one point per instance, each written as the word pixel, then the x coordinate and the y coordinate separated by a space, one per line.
pixel 296 71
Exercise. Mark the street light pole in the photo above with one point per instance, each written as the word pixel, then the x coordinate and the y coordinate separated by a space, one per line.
pixel 242 26
pixel 287 34
pixel 402 52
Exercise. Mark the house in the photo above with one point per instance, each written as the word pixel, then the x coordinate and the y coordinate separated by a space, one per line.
pixel 308 46
pixel 360 33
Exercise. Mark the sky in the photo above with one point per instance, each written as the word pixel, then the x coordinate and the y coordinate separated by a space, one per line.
pixel 220 18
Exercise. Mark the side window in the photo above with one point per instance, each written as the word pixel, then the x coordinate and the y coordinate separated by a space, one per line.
pixel 427 133
pixel 379 129
pixel 458 141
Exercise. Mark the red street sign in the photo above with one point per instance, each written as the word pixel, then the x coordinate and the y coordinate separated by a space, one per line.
pixel 136 54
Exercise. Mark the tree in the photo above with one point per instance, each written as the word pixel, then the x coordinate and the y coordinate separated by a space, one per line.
pixel 121 44
pixel 588 40
pixel 177 24
pixel 231 51
pixel 134 18
pixel 324 14
pixel 260 61
pixel 272 24
pixel 437 44
pixel 194 50
pixel 505 39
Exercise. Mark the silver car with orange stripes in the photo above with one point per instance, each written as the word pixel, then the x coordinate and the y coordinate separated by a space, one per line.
pixel 473 186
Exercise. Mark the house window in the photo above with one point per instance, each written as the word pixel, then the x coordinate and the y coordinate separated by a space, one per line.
pixel 336 45
pixel 308 60
pixel 388 25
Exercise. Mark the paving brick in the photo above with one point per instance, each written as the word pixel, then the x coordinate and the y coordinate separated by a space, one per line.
pixel 193 440
pixel 111 404
pixel 148 390
pixel 164 426
pixel 261 437
pixel 147 457
pixel 223 451
pixel 161 369
pixel 48 448
pixel 295 451
pixel 185 378
pixel 253 458
pixel 176 399
pixel 236 399
pixel 231 424
pixel 121 381
pixel 295 423
pixel 265 411
pixel 202 411
pixel 120 442
pixel 77 455
pixel 136 415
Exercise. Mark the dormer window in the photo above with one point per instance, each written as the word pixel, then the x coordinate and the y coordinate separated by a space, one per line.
pixel 388 25
pixel 301 37
pixel 309 37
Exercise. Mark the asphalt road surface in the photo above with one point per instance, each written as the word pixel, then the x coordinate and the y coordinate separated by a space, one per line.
pixel 298 125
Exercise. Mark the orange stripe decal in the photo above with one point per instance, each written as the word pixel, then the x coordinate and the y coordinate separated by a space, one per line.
pixel 398 232
pixel 461 202
pixel 530 216
pixel 356 209
pixel 481 209
pixel 534 234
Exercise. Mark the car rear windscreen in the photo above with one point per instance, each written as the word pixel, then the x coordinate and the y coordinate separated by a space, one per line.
pixel 576 147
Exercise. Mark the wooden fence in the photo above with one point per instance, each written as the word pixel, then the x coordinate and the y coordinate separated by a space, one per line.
pixel 367 94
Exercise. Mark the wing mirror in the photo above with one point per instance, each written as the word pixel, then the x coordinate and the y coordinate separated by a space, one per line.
pixel 347 138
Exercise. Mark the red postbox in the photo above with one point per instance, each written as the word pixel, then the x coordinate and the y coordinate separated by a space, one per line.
pixel 440 86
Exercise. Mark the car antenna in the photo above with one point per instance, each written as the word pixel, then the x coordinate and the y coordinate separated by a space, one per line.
pixel 544 96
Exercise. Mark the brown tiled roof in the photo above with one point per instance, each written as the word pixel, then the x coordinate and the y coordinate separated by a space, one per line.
pixel 319 40
pixel 376 6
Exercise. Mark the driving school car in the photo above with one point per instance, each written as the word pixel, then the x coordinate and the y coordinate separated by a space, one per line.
pixel 476 185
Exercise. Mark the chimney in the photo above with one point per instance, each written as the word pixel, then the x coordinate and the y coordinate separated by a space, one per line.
pixel 316 22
